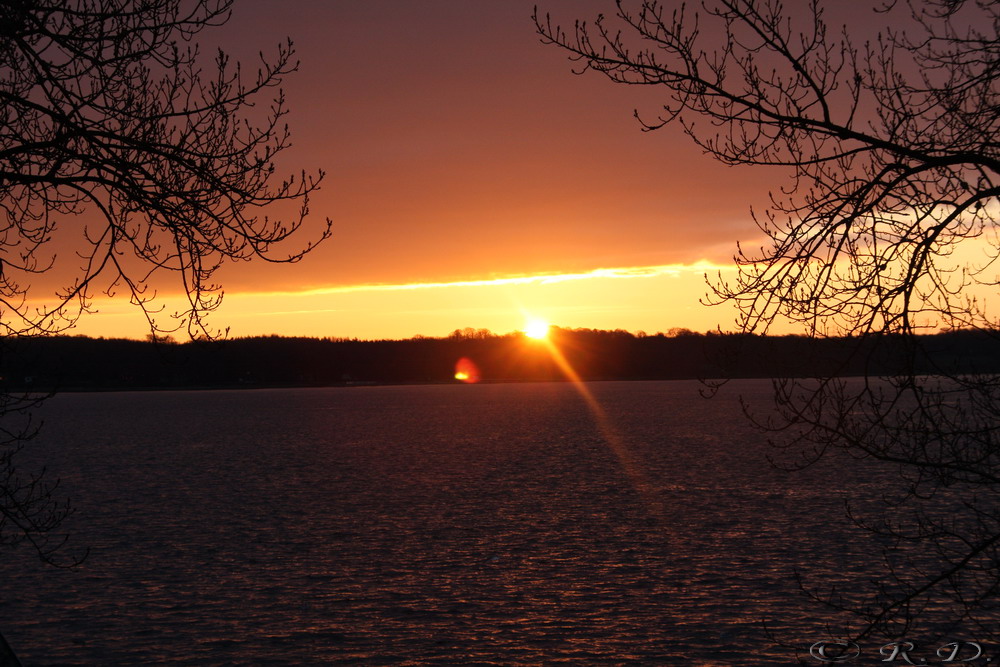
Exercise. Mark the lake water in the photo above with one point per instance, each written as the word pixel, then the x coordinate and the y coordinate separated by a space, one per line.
pixel 475 524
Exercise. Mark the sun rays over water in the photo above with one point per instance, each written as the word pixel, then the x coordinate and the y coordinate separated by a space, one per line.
pixel 541 339
pixel 609 433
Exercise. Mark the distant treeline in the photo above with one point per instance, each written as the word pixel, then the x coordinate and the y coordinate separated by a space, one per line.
pixel 81 363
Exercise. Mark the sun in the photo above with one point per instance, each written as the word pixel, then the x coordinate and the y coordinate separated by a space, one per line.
pixel 536 329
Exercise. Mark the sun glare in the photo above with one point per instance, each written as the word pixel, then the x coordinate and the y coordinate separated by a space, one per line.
pixel 536 329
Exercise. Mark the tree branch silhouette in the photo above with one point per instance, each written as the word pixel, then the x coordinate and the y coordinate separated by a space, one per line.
pixel 112 121
pixel 892 158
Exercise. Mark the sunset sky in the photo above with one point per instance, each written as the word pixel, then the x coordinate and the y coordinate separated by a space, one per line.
pixel 472 179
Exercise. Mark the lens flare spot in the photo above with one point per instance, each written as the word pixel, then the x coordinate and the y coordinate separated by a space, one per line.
pixel 466 371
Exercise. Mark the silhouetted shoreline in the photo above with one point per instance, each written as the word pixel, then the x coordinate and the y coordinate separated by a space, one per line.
pixel 78 363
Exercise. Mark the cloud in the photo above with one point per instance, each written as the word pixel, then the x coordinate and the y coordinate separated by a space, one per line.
pixel 536 279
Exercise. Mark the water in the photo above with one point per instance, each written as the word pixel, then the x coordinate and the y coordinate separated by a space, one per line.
pixel 481 524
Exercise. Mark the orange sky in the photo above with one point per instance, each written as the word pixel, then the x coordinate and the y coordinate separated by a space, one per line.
pixel 459 149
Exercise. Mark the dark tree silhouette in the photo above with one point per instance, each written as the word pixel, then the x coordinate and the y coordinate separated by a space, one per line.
pixel 113 124
pixel 112 119
pixel 886 228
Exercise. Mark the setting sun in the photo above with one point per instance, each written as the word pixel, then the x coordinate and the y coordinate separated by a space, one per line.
pixel 536 329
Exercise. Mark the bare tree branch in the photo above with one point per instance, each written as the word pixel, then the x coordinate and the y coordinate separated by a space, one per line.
pixel 113 124
pixel 892 155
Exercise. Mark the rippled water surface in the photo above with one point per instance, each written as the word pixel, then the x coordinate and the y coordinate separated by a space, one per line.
pixel 485 524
